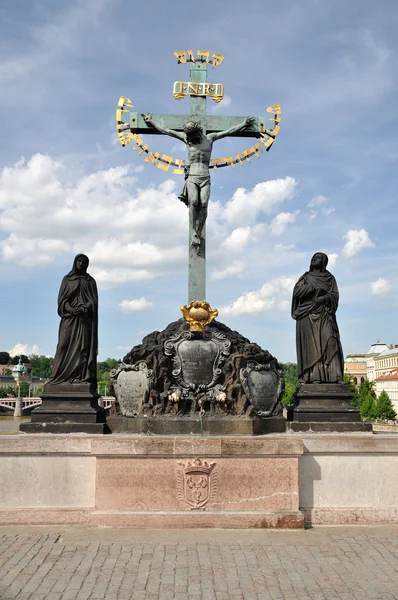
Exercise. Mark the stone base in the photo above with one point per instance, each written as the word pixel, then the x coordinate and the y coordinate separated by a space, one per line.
pixel 327 427
pixel 144 481
pixel 67 409
pixel 90 428
pixel 324 402
pixel 191 426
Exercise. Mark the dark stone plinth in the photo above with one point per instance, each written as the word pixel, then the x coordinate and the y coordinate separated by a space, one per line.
pixel 327 402
pixel 194 426
pixel 67 409
pixel 90 428
pixel 328 427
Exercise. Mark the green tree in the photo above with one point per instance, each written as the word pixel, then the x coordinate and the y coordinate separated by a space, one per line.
pixel 15 359
pixel 103 370
pixel 41 365
pixel 4 358
pixel 3 393
pixel 7 372
pixel 288 396
pixel 24 389
pixel 290 373
pixel 368 407
pixel 366 388
pixel 384 407
pixel 353 389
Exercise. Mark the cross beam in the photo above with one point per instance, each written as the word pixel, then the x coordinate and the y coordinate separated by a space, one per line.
pixel 211 124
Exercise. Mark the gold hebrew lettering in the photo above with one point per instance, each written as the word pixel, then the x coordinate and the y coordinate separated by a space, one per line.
pixel 166 159
pixel 217 59
pixel 275 108
pixel 204 53
pixel 180 164
pixel 238 159
pixel 125 138
pixel 191 56
pixel 138 142
pixel 181 56
pixel 247 153
pixel 119 113
pixel 144 148
pixel 153 158
pixel 124 101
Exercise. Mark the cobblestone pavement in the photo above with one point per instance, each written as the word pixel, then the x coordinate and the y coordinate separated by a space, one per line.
pixel 86 564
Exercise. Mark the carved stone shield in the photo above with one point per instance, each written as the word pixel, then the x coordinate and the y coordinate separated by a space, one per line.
pixel 196 483
pixel 131 386
pixel 263 386
pixel 197 358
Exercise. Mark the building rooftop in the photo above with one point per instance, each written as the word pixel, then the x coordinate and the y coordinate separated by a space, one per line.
pixel 391 375
pixel 377 348
pixel 386 353
pixel 355 358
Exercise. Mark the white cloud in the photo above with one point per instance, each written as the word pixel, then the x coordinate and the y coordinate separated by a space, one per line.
pixel 226 101
pixel 236 269
pixel 280 222
pixel 312 215
pixel 328 211
pixel 316 201
pixel 273 295
pixel 245 205
pixel 356 239
pixel 24 349
pixel 137 305
pixel 332 261
pixel 43 217
pixel 283 247
pixel 381 286
pixel 238 239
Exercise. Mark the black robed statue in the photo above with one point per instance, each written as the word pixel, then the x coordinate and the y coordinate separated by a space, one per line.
pixel 315 301
pixel 76 355
pixel 70 398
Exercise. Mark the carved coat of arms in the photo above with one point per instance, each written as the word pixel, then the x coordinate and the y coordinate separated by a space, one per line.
pixel 196 483
pixel 263 386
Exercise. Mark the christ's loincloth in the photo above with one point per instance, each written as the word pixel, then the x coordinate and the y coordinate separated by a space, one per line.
pixel 199 180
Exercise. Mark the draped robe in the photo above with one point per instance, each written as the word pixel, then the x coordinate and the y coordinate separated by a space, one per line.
pixel 75 359
pixel 319 352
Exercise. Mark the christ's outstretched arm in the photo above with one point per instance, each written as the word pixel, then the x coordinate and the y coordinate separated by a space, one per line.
pixel 162 129
pixel 222 134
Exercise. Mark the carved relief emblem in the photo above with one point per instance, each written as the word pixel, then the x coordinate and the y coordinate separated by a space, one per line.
pixel 196 483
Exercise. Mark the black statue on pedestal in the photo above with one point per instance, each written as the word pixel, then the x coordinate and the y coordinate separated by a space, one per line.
pixel 70 399
pixel 315 301
pixel 76 355
pixel 322 399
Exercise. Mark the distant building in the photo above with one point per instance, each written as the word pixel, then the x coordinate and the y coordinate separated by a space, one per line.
pixel 355 365
pixel 389 383
pixel 371 354
pixel 386 361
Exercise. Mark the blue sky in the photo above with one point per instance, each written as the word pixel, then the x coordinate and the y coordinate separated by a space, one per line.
pixel 329 183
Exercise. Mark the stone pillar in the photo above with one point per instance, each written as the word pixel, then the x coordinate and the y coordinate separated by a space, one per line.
pixel 18 407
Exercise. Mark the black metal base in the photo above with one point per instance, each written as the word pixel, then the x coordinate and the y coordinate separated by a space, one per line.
pixel 195 426
pixel 67 409
pixel 323 402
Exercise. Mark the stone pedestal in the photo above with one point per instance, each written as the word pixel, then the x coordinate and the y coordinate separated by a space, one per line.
pixel 324 402
pixel 195 426
pixel 67 409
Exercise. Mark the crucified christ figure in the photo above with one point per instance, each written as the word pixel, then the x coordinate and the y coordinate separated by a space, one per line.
pixel 196 192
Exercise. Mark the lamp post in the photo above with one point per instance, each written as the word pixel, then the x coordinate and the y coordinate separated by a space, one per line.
pixel 18 373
